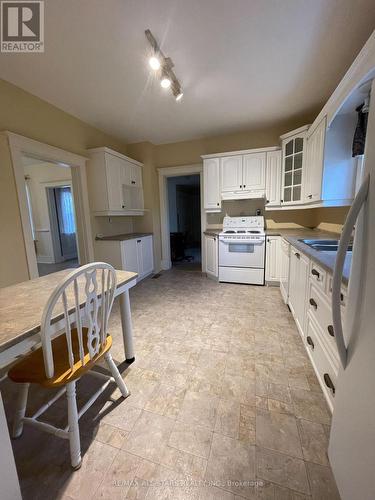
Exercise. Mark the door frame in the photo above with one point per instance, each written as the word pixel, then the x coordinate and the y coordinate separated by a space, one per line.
pixel 164 173
pixel 19 146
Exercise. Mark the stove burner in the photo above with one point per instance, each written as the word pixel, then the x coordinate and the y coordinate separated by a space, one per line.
pixel 229 232
pixel 240 232
pixel 254 232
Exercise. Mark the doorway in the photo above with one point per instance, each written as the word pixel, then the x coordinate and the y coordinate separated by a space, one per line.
pixel 51 210
pixel 184 213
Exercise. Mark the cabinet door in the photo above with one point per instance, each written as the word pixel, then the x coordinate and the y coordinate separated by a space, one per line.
pixel 135 175
pixel 147 255
pixel 211 184
pixel 139 250
pixel 115 181
pixel 293 164
pixel 298 281
pixel 273 259
pixel 273 178
pixel 129 254
pixel 231 173
pixel 212 256
pixel 314 163
pixel 254 172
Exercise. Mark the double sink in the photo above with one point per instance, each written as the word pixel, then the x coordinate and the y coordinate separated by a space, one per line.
pixel 324 245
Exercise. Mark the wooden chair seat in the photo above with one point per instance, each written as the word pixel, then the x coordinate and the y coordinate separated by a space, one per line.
pixel 31 368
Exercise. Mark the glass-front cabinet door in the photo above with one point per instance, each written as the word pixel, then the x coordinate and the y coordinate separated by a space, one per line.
pixel 293 161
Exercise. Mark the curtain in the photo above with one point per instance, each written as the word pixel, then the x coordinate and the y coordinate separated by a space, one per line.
pixel 360 132
pixel 67 224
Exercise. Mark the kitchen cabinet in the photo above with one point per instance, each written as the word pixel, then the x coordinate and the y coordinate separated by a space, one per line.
pixel 273 259
pixel 273 178
pixel 315 139
pixel 243 176
pixel 298 283
pixel 284 274
pixel 211 256
pixel 137 256
pixel 293 164
pixel 114 183
pixel 134 254
pixel 231 173
pixel 211 185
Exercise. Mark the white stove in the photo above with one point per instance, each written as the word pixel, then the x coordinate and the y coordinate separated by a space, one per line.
pixel 242 250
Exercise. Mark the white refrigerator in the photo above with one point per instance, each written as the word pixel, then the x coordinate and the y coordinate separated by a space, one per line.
pixel 352 440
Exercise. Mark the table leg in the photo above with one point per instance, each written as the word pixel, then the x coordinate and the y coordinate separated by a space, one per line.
pixel 10 487
pixel 127 328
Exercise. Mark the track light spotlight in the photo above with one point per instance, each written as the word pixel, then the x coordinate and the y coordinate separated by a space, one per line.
pixel 154 63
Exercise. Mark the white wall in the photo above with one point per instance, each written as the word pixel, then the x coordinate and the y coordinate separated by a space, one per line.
pixel 41 175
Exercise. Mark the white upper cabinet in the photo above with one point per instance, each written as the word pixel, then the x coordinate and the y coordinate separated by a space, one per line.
pixel 254 172
pixel 315 140
pixel 293 163
pixel 115 183
pixel 273 178
pixel 231 173
pixel 211 185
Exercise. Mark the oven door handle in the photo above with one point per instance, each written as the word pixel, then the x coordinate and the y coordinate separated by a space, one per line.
pixel 244 242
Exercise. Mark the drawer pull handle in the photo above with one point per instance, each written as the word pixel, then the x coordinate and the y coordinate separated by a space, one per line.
pixel 330 330
pixel 309 340
pixel 329 383
pixel 297 255
pixel 139 241
pixel 316 273
pixel 313 303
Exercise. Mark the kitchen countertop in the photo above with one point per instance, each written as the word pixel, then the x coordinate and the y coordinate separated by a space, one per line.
pixel 325 259
pixel 123 237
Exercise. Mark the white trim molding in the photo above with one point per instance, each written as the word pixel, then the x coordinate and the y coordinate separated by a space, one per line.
pixel 164 173
pixel 18 146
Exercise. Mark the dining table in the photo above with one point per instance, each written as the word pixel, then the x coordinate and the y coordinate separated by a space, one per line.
pixel 21 309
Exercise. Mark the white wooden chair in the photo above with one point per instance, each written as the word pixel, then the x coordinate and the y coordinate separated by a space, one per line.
pixel 62 360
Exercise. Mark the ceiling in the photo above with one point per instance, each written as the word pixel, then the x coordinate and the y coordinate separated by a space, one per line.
pixel 243 64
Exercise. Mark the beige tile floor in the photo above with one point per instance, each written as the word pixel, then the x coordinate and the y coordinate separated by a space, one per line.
pixel 224 405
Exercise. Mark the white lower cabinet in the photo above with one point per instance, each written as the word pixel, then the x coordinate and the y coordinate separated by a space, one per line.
pixel 273 259
pixel 211 256
pixel 284 275
pixel 135 254
pixel 298 282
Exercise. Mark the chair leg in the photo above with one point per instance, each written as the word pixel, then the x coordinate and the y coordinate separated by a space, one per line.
pixel 116 375
pixel 20 411
pixel 74 440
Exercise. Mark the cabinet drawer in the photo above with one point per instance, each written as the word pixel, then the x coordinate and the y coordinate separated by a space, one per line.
pixel 324 367
pixel 320 310
pixel 318 276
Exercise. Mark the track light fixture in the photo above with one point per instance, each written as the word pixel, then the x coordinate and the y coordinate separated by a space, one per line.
pixel 158 62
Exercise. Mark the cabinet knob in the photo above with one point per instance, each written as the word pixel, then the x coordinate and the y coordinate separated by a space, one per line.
pixel 297 255
pixel 133 182
pixel 244 185
pixel 218 204
pixel 267 201
pixel 313 303
pixel 281 201
pixel 331 330
pixel 329 383
pixel 310 341
pixel 310 196
pixel 316 273
pixel 139 241
pixel 123 206
pixel 241 186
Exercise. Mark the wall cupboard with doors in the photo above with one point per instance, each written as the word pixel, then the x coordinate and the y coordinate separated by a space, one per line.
pixel 114 183
pixel 211 185
pixel 293 165
pixel 273 178
pixel 273 259
pixel 211 267
pixel 133 254
pixel 315 139
pixel 241 175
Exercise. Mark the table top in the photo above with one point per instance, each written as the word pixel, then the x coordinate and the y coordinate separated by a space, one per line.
pixel 21 305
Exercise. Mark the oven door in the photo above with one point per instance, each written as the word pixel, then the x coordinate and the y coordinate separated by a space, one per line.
pixel 241 254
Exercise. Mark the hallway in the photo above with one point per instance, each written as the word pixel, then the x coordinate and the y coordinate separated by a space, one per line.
pixel 224 405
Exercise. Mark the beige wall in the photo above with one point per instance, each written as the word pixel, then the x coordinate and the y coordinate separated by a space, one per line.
pixel 32 117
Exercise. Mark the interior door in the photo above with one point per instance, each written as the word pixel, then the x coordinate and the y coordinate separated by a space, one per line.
pixel 254 172
pixel 66 222
pixel 231 173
